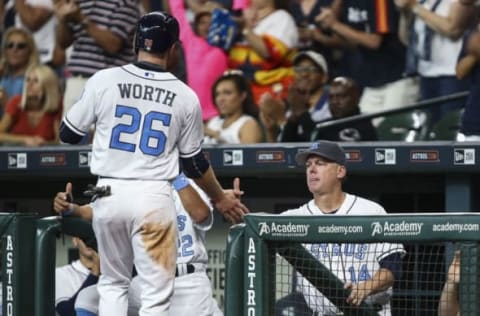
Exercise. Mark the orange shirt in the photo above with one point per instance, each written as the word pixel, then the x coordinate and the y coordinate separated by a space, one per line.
pixel 21 125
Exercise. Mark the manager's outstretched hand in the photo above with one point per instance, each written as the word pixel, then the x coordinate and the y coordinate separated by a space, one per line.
pixel 231 207
pixel 63 200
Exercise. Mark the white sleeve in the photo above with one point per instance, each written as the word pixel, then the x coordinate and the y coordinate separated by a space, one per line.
pixel 82 114
pixel 208 223
pixel 191 135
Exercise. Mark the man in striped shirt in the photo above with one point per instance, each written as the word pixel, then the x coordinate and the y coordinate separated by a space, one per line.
pixel 100 33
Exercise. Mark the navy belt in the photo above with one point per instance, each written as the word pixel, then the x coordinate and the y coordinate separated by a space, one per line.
pixel 190 268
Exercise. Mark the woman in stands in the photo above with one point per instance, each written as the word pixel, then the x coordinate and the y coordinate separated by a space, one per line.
pixel 237 122
pixel 18 53
pixel 33 118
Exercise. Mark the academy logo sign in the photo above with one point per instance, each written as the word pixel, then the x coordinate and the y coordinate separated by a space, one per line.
pixel 283 230
pixel 263 229
pixel 402 228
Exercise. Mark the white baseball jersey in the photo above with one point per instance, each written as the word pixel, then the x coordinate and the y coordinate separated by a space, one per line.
pixel 350 262
pixel 192 294
pixel 191 236
pixel 68 280
pixel 144 121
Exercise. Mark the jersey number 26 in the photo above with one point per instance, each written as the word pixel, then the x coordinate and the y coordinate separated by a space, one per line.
pixel 147 133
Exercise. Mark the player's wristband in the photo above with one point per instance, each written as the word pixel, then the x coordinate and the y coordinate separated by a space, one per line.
pixel 67 212
pixel 180 182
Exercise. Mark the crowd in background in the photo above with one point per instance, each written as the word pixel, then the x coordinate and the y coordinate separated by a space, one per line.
pixel 280 71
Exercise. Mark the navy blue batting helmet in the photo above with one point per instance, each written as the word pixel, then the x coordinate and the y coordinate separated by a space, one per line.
pixel 156 32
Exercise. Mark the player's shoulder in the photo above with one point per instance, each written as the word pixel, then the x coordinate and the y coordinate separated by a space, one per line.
pixel 105 76
pixel 72 269
pixel 363 206
pixel 301 210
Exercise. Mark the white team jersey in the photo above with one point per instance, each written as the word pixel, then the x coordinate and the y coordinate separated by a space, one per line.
pixel 68 280
pixel 144 121
pixel 352 262
pixel 191 236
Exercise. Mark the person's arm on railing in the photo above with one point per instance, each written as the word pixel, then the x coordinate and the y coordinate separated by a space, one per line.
pixel 449 304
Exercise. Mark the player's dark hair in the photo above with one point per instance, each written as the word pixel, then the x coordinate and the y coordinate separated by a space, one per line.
pixel 243 86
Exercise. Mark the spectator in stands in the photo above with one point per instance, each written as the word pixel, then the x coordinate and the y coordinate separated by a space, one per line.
pixel 367 270
pixel 265 52
pixel 18 53
pixel 305 104
pixel 304 13
pixel 37 17
pixel 374 55
pixel 237 120
pixel 449 304
pixel 33 118
pixel 204 63
pixel 72 278
pixel 343 99
pixel 468 67
pixel 101 34
pixel 433 49
pixel 7 14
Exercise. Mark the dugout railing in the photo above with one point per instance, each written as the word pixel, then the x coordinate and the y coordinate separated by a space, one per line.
pixel 17 252
pixel 47 231
pixel 267 253
pixel 28 252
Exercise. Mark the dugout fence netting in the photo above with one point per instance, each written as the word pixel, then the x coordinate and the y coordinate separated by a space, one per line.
pixel 279 265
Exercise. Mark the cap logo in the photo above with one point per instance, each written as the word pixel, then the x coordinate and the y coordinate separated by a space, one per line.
pixel 147 44
pixel 315 146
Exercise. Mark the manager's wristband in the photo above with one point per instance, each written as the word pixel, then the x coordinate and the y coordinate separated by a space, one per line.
pixel 180 182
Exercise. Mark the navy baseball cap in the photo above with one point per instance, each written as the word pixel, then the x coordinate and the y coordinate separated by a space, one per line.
pixel 324 148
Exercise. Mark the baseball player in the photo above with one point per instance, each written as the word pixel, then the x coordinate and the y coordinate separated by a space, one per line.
pixel 368 270
pixel 72 278
pixel 192 290
pixel 145 120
